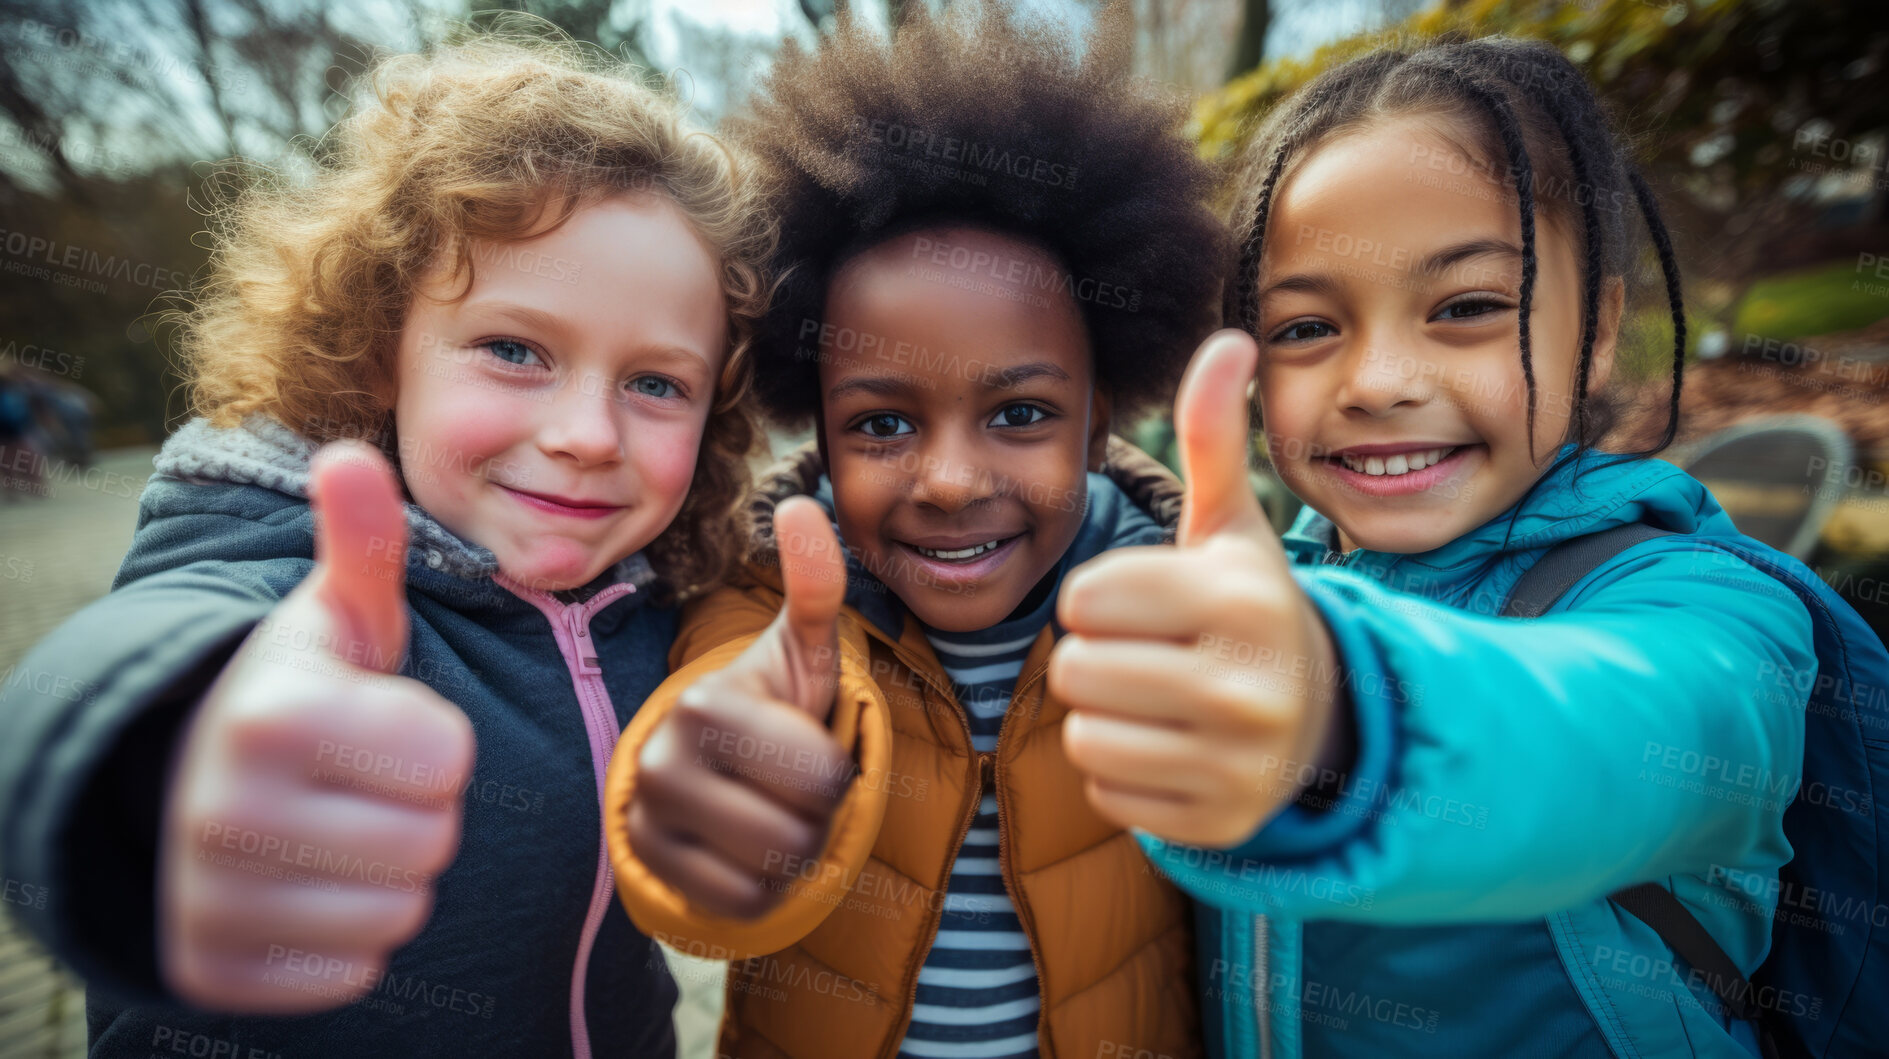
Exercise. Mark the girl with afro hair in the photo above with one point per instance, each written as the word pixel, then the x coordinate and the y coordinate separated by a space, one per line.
pixel 995 250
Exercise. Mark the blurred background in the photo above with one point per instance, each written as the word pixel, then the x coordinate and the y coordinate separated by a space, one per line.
pixel 1762 125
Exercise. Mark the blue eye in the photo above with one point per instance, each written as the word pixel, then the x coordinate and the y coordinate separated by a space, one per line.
pixel 884 426
pixel 653 386
pixel 512 351
pixel 1303 331
pixel 1020 414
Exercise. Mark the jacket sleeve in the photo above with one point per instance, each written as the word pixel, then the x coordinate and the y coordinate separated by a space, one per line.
pixel 715 630
pixel 89 719
pixel 1507 769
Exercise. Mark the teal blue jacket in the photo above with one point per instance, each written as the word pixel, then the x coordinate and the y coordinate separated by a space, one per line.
pixel 1450 897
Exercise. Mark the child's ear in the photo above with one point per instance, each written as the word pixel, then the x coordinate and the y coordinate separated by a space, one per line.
pixel 1098 431
pixel 1613 300
pixel 819 438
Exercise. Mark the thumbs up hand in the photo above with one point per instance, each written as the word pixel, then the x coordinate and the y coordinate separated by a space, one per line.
pixel 314 798
pixel 736 787
pixel 1199 678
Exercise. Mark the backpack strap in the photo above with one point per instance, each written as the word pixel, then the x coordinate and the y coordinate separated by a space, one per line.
pixel 1539 587
pixel 1675 924
pixel 1566 563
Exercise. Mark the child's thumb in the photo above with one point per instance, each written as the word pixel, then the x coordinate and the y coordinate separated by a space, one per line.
pixel 1212 428
pixel 813 578
pixel 360 553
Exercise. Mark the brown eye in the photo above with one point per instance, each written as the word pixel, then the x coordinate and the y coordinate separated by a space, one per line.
pixel 1020 415
pixel 1469 309
pixel 884 425
pixel 1303 331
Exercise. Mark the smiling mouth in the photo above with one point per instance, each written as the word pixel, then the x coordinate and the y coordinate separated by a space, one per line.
pixel 961 555
pixel 1401 463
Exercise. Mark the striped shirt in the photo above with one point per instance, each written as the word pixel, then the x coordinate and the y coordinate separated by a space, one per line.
pixel 977 991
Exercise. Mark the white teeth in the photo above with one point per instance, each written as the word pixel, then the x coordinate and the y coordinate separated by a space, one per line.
pixel 961 553
pixel 1402 463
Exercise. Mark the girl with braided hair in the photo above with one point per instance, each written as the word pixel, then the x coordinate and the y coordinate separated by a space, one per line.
pixel 1416 826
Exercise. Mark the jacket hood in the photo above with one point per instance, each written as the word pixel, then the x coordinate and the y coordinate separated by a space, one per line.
pixel 1581 493
pixel 262 451
pixel 1140 479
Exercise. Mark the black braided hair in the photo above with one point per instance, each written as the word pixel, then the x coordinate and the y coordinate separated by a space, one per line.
pixel 1531 106
pixel 1669 266
pixel 1521 169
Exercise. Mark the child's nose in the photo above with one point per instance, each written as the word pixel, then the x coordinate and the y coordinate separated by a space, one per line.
pixel 950 475
pixel 581 425
pixel 1378 380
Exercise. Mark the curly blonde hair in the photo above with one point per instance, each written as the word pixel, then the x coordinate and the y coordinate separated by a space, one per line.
pixel 496 138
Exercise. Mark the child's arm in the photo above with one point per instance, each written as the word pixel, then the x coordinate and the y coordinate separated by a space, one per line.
pixel 1510 769
pixel 88 719
pixel 156 722
pixel 732 823
pixel 1502 769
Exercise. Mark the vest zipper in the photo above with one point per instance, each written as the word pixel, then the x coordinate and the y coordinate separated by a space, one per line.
pixel 1028 922
pixel 935 917
pixel 1261 971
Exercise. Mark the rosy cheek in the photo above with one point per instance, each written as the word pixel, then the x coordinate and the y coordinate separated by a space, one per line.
pixel 665 456
pixel 449 426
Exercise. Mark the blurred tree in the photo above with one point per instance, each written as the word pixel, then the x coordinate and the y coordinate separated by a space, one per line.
pixel 1249 44
pixel 109 105
pixel 615 25
pixel 1747 113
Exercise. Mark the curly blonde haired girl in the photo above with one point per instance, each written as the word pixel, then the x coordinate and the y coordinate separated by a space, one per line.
pixel 523 277
pixel 492 141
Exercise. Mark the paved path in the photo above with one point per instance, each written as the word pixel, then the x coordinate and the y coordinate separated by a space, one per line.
pixel 58 552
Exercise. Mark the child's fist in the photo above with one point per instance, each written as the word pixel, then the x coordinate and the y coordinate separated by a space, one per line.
pixel 737 785
pixel 315 797
pixel 1193 674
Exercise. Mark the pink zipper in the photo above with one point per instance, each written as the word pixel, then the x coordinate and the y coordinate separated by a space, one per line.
pixel 570 624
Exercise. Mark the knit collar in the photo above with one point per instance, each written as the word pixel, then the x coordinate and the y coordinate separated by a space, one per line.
pixel 263 451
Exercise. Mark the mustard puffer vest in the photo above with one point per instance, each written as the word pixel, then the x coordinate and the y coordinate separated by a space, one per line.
pixel 832 971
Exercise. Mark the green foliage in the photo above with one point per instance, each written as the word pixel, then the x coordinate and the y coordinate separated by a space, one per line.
pixel 1816 301
pixel 1732 80
pixel 1734 108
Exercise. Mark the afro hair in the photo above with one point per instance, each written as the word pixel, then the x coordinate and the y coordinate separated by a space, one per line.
pixel 973 120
